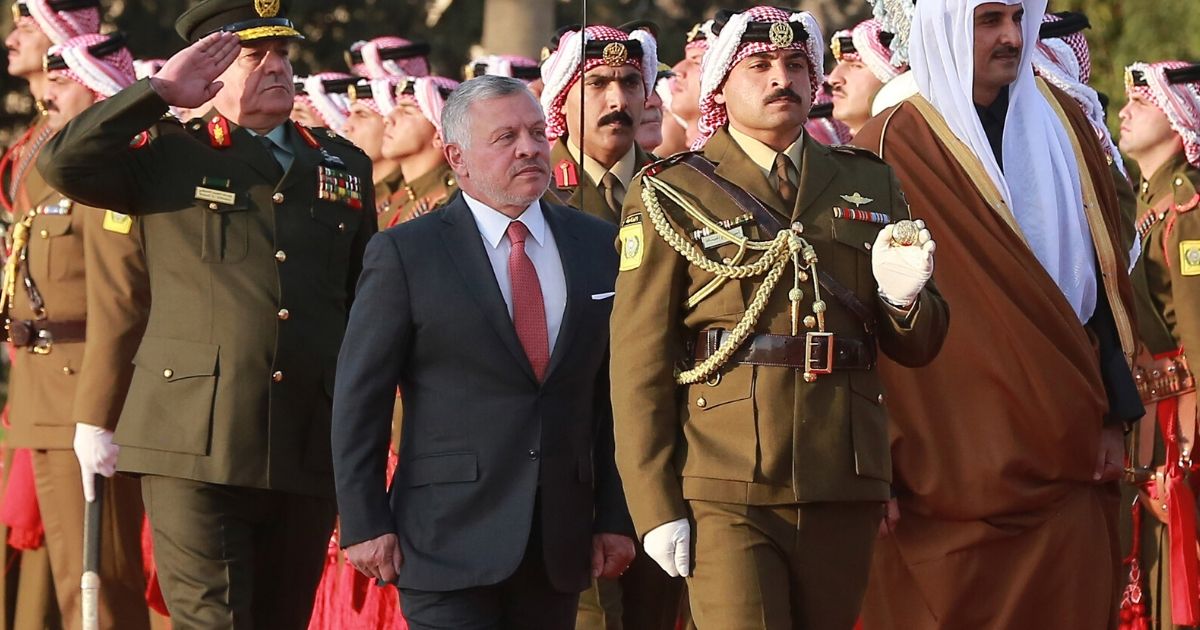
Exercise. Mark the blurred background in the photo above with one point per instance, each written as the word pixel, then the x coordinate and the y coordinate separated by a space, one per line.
pixel 1122 31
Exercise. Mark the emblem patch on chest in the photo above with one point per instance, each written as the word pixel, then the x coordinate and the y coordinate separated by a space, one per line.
pixel 1189 258
pixel 117 222
pixel 632 243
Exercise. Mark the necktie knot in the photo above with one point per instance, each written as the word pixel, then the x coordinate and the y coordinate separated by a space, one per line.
pixel 517 233
pixel 783 173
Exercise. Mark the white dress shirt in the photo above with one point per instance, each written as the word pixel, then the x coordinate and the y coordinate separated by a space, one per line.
pixel 541 249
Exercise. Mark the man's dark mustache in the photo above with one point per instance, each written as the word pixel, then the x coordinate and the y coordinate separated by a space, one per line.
pixel 1006 51
pixel 618 117
pixel 782 94
pixel 527 164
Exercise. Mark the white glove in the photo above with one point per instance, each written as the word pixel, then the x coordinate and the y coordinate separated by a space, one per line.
pixel 902 271
pixel 670 545
pixel 96 453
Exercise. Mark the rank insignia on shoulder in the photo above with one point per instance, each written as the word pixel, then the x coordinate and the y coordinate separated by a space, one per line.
pixel 857 199
pixel 218 133
pixel 339 186
pixel 566 175
pixel 632 245
pixel 140 140
pixel 60 208
pixel 117 222
pixel 851 214
pixel 1189 258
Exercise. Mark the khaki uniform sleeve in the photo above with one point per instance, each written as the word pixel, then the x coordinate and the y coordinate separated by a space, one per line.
pixel 118 305
pixel 646 346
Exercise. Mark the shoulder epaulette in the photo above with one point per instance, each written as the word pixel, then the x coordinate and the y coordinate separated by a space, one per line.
pixel 849 149
pixel 660 165
pixel 324 133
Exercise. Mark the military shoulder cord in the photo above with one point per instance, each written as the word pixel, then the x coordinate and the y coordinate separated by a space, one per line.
pixel 20 242
pixel 787 246
pixel 28 154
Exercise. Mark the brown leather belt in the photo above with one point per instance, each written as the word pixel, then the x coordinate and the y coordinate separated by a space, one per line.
pixel 818 353
pixel 41 336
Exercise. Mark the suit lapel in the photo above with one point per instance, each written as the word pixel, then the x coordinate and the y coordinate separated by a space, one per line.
pixel 562 226
pixel 817 171
pixel 734 165
pixel 466 249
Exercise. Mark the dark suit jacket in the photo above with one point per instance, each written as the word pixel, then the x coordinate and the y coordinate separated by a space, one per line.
pixel 481 436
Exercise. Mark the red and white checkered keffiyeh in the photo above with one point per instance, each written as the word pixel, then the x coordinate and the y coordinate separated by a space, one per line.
pixel 827 129
pixel 60 26
pixel 104 76
pixel 726 49
pixel 1180 102
pixel 1066 63
pixel 332 109
pixel 373 66
pixel 501 65
pixel 564 67
pixel 869 50
pixel 428 93
pixel 698 40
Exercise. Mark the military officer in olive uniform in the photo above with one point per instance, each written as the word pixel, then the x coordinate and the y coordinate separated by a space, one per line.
pixel 611 85
pixel 758 280
pixel 254 229
pixel 1160 125
pixel 75 300
pixel 412 136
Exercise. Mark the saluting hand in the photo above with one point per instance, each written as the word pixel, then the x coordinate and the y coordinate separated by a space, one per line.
pixel 189 77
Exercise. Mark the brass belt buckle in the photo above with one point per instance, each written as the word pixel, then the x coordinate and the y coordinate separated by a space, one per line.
pixel 818 353
pixel 43 343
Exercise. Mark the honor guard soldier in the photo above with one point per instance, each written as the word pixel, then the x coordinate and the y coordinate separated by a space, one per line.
pixel 321 100
pixel 371 101
pixel 388 56
pixel 412 135
pixel 75 299
pixel 759 278
pixel 864 66
pixel 517 67
pixel 611 83
pixel 254 229
pixel 1160 129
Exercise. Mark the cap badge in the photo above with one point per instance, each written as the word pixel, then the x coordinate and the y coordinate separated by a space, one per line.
pixel 835 47
pixel 781 34
pixel 615 54
pixel 266 8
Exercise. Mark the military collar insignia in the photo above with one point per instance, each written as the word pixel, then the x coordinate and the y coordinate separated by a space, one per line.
pixel 218 133
pixel 307 136
pixel 857 199
pixel 565 174
pixel 140 140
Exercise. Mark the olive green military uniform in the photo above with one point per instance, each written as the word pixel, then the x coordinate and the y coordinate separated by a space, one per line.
pixel 644 597
pixel 26 585
pixel 1166 282
pixel 572 186
pixel 252 270
pixel 384 190
pixel 782 479
pixel 422 195
pixel 77 273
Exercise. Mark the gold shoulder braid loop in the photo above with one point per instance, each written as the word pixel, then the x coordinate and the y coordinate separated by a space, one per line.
pixel 787 247
pixel 20 239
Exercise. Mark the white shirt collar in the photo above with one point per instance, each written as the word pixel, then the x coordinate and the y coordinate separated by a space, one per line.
pixel 493 225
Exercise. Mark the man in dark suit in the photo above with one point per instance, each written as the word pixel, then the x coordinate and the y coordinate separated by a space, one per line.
pixel 491 316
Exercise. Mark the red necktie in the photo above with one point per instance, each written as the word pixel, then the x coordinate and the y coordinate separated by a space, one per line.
pixel 529 311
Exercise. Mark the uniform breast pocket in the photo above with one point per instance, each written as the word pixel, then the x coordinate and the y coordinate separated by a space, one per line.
pixel 854 256
pixel 226 237
pixel 62 257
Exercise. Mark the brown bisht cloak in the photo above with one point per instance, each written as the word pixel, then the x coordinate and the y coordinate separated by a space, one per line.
pixel 994 443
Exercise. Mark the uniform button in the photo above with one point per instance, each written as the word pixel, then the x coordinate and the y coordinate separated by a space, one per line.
pixel 277 198
pixel 533 455
pixel 1178 181
pixel 281 255
pixel 168 373
pixel 277 377
pixel 867 246
pixel 67 370
pixel 880 399
pixel 798 227
pixel 284 314
pixel 810 322
pixel 213 207
pixel 701 403
pixel 44 234
pixel 341 227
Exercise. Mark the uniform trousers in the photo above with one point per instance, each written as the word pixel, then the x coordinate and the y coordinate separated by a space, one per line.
pixel 122 576
pixel 774 567
pixel 237 558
